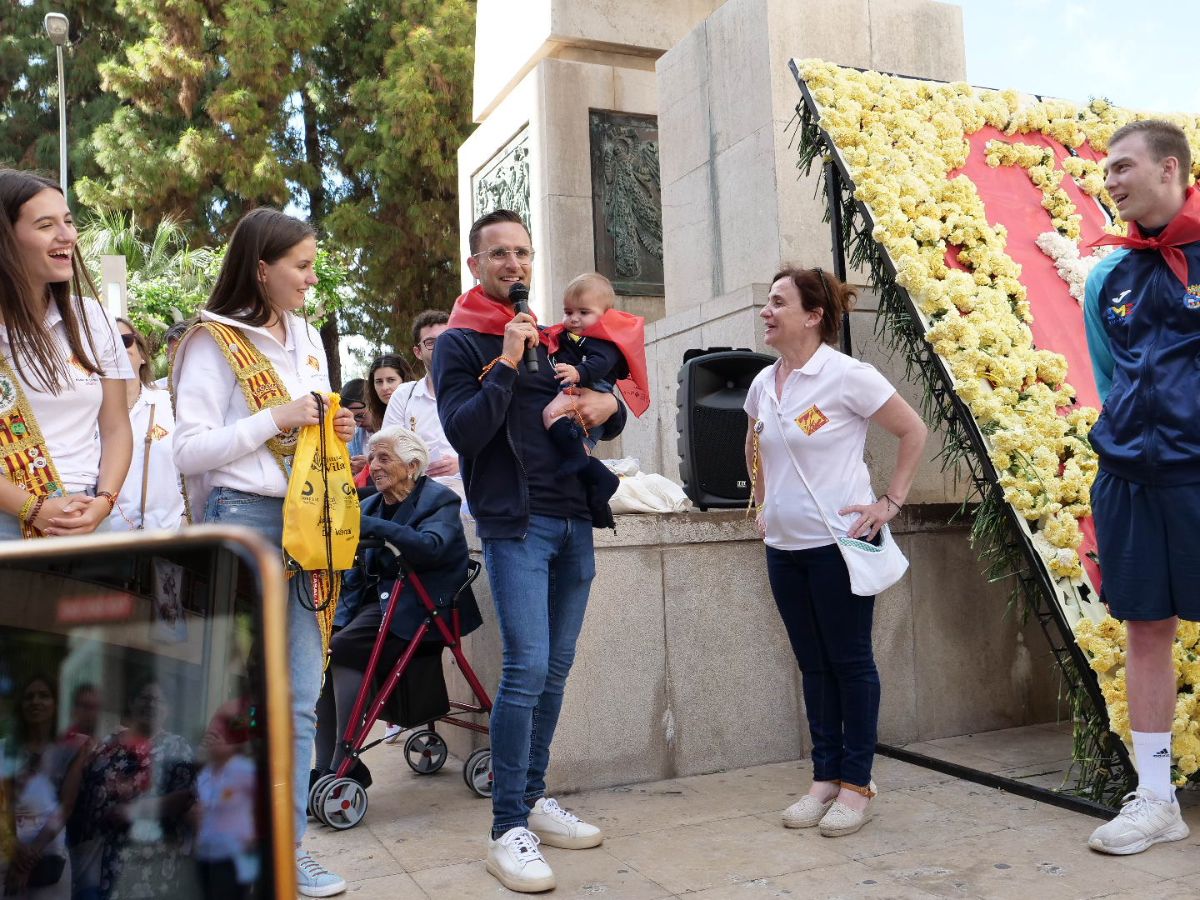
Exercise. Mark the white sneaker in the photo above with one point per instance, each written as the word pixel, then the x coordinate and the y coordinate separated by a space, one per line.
pixel 559 828
pixel 313 879
pixel 1144 820
pixel 392 733
pixel 515 860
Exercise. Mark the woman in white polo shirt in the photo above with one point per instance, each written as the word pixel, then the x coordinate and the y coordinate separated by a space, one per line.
pixel 243 379
pixel 150 497
pixel 64 436
pixel 817 403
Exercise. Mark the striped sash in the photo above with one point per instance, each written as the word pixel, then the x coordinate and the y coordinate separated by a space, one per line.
pixel 24 459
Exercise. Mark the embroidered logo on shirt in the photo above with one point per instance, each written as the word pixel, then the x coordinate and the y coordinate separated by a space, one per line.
pixel 314 362
pixel 811 420
pixel 157 433
pixel 1118 311
pixel 1191 297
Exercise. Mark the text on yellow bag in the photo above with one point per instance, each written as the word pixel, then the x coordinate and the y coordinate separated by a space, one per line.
pixel 321 517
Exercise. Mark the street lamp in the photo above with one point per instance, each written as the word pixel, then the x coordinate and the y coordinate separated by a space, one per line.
pixel 58 28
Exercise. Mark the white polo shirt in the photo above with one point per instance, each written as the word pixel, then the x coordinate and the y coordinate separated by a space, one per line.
pixel 164 502
pixel 415 408
pixel 69 420
pixel 822 415
pixel 218 441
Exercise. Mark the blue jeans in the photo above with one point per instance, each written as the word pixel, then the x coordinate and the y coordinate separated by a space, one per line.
pixel 830 631
pixel 306 657
pixel 540 587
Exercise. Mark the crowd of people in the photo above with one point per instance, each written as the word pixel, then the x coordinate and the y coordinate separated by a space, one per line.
pixel 501 424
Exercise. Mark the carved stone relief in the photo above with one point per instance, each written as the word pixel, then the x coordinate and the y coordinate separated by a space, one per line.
pixel 504 182
pixel 627 201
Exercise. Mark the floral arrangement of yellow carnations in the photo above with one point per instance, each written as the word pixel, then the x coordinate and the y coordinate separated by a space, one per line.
pixel 1104 642
pixel 925 161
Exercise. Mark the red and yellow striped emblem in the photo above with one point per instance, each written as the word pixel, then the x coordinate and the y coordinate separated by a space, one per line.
pixel 811 420
pixel 24 459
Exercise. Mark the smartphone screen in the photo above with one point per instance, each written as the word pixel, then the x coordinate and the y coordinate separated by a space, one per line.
pixel 134 739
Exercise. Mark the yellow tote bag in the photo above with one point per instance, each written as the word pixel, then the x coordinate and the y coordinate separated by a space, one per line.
pixel 321 519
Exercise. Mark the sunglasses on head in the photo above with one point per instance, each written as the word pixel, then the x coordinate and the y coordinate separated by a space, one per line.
pixel 355 406
pixel 127 340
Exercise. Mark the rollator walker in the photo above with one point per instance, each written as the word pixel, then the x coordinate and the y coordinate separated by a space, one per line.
pixel 339 801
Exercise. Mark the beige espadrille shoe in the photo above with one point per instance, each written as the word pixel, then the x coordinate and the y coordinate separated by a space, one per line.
pixel 841 819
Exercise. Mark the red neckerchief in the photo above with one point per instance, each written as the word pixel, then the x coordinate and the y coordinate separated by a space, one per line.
pixel 628 332
pixel 1183 229
pixel 478 311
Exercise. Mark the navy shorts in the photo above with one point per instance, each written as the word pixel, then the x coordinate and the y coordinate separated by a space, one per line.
pixel 1147 537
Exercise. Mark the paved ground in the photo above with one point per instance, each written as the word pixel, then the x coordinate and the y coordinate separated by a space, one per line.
pixel 718 836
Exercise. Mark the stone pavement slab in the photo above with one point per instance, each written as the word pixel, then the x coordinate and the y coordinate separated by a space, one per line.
pixel 717 836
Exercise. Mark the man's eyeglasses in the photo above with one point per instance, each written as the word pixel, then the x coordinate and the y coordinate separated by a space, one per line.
pixel 499 254
pixel 428 343
pixel 127 340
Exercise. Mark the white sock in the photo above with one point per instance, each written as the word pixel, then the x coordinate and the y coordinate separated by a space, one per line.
pixel 1152 752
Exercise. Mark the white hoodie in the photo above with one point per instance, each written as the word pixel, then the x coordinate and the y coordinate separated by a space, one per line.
pixel 218 441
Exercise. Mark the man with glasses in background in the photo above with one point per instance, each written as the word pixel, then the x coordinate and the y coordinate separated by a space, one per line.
pixel 536 532
pixel 414 405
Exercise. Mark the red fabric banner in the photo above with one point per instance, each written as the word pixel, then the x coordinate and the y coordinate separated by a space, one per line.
pixel 1011 199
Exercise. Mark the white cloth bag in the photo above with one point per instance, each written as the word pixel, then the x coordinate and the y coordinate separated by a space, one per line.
pixel 873 568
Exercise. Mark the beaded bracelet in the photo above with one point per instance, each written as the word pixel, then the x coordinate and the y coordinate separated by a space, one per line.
pixel 36 511
pixel 27 507
pixel 499 359
pixel 110 497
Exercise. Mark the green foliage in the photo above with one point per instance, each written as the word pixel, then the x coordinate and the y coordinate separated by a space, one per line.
pixel 202 134
pixel 353 110
pixel 168 281
pixel 404 79
pixel 29 83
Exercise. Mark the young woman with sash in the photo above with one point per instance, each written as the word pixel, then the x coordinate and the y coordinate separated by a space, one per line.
pixel 242 382
pixel 64 436
pixel 150 497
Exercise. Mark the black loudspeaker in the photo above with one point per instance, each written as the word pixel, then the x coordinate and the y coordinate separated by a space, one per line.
pixel 712 424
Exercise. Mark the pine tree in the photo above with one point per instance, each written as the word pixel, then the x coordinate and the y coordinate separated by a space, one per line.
pixel 350 109
pixel 204 132
pixel 398 80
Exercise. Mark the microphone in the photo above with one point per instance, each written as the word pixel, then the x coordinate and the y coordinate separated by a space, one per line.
pixel 519 295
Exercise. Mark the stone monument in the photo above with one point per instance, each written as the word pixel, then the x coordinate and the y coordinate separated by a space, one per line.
pixel 650 141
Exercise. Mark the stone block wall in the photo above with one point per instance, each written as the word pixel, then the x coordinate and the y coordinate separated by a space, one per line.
pixel 683 666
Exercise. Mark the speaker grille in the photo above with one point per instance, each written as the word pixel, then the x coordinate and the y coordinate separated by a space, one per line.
pixel 712 426
pixel 720 440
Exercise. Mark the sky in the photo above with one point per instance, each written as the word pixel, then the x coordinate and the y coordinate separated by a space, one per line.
pixel 1135 54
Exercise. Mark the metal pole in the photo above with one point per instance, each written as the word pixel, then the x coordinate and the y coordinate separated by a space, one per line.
pixel 62 122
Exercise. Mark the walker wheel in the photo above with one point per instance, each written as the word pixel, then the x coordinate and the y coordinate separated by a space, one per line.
pixel 343 804
pixel 477 772
pixel 425 752
pixel 314 805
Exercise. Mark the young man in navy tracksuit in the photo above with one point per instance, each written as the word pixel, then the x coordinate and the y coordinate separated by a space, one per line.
pixel 536 531
pixel 1142 311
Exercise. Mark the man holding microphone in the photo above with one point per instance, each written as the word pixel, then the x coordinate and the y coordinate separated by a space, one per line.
pixel 493 379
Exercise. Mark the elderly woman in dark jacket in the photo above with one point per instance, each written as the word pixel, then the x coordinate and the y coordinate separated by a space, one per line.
pixel 420 518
